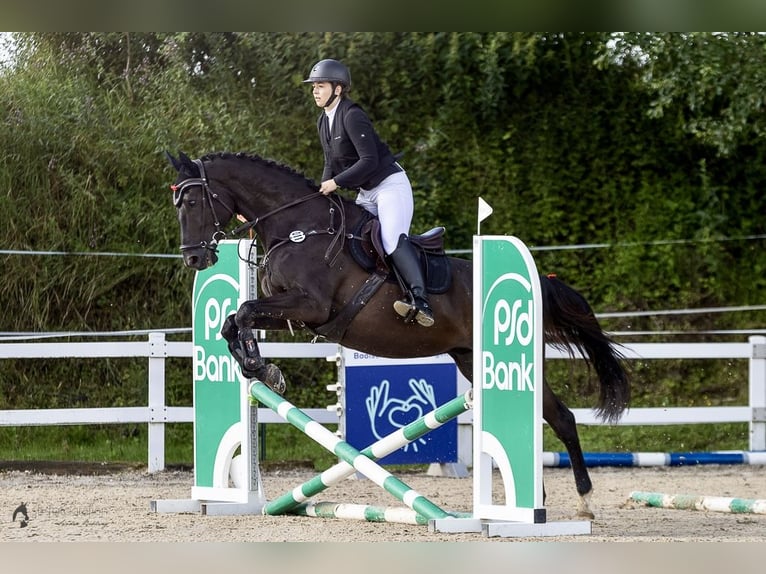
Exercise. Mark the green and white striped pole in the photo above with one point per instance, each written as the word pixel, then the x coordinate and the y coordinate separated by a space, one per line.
pixel 366 512
pixel 385 446
pixel 694 502
pixel 411 498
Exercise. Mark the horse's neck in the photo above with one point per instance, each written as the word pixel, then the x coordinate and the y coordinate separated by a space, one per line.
pixel 260 196
pixel 266 193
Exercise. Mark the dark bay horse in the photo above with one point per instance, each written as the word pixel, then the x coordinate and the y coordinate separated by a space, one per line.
pixel 310 280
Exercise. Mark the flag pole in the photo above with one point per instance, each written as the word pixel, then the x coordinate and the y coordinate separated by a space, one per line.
pixel 484 211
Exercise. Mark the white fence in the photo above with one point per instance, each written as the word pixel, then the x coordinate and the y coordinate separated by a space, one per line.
pixel 156 414
pixel 754 351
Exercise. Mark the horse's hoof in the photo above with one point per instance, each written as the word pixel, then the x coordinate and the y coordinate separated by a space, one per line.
pixel 583 506
pixel 274 380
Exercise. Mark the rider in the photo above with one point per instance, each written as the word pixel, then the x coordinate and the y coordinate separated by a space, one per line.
pixel 356 158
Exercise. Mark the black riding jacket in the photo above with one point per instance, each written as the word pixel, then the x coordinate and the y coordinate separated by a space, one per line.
pixel 354 155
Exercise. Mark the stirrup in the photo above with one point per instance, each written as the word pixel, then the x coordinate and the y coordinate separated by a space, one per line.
pixel 412 313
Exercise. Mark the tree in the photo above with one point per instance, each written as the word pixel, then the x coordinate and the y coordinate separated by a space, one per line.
pixel 718 79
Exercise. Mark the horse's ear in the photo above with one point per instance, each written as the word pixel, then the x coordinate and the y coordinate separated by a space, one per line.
pixel 185 159
pixel 173 161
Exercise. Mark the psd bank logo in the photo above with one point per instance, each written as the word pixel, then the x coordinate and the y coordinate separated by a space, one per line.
pixel 508 335
pixel 215 298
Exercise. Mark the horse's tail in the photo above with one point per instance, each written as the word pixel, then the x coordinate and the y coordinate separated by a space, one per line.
pixel 570 324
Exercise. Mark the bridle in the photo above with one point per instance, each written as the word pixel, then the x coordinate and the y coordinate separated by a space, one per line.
pixel 208 196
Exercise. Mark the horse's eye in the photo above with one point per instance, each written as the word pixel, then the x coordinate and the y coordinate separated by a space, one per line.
pixel 192 202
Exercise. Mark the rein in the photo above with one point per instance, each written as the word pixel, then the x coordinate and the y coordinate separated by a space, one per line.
pixel 298 236
pixel 250 224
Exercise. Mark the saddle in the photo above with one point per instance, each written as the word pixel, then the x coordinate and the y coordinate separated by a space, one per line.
pixel 367 250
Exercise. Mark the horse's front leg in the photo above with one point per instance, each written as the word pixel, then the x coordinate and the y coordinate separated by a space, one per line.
pixel 244 348
pixel 293 305
pixel 269 313
pixel 564 425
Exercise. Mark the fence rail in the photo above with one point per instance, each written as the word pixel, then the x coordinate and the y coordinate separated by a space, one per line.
pixel 754 351
pixel 157 414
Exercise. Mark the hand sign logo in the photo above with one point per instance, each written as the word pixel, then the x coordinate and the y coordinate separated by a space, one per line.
pixel 388 414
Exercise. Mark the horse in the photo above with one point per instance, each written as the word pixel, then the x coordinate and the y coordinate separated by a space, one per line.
pixel 312 280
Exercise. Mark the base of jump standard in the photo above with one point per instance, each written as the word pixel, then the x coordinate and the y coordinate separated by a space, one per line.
pixel 493 528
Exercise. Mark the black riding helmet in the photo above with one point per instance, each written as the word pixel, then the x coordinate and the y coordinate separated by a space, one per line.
pixel 330 71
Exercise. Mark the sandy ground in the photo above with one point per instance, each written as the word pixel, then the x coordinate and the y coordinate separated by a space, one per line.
pixel 116 507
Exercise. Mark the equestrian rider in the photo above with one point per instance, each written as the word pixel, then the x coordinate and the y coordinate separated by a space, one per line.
pixel 356 158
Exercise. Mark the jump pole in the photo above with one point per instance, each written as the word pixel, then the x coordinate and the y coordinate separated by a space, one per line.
pixel 694 502
pixel 385 446
pixel 561 459
pixel 326 438
pixel 369 513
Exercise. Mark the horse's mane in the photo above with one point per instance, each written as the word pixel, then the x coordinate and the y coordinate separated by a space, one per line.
pixel 300 179
pixel 270 163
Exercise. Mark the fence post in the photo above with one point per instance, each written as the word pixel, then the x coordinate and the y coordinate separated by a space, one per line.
pixel 757 392
pixel 157 408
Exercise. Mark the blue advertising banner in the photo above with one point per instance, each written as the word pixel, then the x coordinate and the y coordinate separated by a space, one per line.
pixel 384 395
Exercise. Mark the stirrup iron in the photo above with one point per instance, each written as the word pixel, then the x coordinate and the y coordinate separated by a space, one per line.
pixel 412 313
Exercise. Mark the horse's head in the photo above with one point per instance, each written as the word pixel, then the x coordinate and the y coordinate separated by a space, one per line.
pixel 202 214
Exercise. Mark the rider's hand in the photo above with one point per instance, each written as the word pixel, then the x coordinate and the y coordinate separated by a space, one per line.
pixel 328 187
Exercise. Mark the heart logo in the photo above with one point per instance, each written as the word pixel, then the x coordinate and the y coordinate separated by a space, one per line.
pixel 404 413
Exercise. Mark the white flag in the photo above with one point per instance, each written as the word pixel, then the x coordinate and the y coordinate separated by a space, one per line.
pixel 485 210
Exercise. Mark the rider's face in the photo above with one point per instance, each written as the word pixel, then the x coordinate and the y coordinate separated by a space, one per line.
pixel 322 91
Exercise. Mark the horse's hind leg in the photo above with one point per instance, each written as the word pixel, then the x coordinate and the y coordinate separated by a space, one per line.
pixel 563 424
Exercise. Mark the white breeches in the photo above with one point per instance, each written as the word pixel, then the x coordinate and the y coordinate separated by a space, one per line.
pixel 392 202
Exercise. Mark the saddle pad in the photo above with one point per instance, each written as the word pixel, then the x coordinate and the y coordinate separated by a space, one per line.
pixel 436 264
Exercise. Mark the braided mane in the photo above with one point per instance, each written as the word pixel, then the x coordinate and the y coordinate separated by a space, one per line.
pixel 260 160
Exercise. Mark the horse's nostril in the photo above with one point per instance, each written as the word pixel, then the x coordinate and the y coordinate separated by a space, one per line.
pixel 196 259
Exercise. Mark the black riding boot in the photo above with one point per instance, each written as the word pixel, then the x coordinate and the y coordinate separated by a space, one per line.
pixel 407 263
